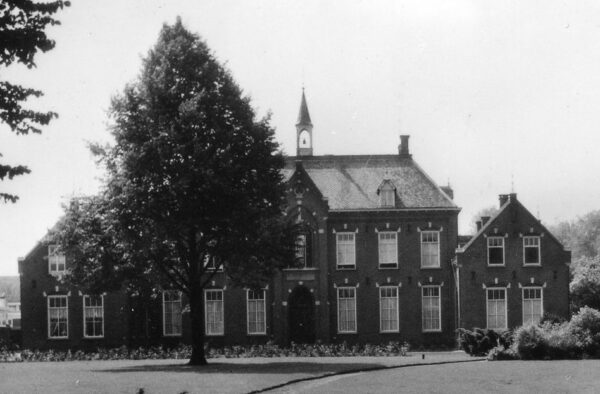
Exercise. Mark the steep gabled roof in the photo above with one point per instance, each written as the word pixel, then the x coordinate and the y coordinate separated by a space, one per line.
pixel 351 182
pixel 512 199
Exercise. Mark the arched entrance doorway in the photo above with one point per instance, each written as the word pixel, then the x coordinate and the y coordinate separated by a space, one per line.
pixel 301 315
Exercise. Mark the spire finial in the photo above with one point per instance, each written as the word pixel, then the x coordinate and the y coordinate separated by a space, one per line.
pixel 304 116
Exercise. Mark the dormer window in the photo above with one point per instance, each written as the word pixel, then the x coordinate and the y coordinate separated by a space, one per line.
pixel 387 194
pixel 56 261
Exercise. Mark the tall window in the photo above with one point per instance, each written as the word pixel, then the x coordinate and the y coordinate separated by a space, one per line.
pixel 496 309
pixel 430 249
pixel 171 313
pixel 388 250
pixel 346 252
pixel 495 250
pixel 58 317
pixel 93 316
pixel 532 305
pixel 346 309
pixel 431 312
pixel 56 261
pixel 302 258
pixel 388 309
pixel 257 321
pixel 213 303
pixel 531 250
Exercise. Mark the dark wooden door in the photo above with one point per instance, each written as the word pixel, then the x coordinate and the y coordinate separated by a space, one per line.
pixel 301 310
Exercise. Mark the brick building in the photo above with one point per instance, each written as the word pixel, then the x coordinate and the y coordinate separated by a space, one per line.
pixel 512 271
pixel 376 256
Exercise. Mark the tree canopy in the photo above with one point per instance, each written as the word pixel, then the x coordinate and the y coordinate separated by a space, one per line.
pixel 192 176
pixel 22 35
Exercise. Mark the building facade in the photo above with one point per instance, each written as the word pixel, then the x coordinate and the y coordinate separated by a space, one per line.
pixel 376 258
pixel 512 272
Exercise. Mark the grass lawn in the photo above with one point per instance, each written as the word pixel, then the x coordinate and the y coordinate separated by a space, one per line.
pixel 561 376
pixel 173 376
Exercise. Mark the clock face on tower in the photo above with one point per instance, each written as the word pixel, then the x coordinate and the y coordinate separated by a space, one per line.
pixel 304 139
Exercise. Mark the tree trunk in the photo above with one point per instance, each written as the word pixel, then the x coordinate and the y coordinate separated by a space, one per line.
pixel 197 320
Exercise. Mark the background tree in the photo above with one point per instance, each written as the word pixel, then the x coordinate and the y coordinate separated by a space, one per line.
pixel 488 211
pixel 585 286
pixel 22 35
pixel 192 176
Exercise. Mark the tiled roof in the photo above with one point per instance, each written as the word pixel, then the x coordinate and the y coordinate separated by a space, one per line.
pixel 351 182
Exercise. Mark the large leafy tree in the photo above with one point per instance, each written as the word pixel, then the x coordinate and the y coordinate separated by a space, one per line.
pixel 22 35
pixel 193 175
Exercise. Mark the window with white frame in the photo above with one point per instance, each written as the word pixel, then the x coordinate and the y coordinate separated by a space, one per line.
pixel 171 313
pixel 211 263
pixel 346 251
pixel 431 311
pixel 531 250
pixel 93 316
pixel 430 249
pixel 388 309
pixel 496 308
pixel 58 317
pixel 495 249
pixel 213 305
pixel 257 319
pixel 346 297
pixel 533 308
pixel 56 261
pixel 388 197
pixel 388 250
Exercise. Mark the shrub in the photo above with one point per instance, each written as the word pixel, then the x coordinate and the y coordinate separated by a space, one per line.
pixel 585 327
pixel 479 342
pixel 530 342
pixel 501 353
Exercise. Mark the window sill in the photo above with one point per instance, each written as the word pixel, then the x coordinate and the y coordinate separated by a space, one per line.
pixel 349 268
pixel 496 265
pixel 172 335
pixel 301 269
pixel 59 338
pixel 390 332
pixel 431 268
pixel 388 268
pixel 257 334
pixel 347 332
pixel 432 331
pixel 532 265
pixel 86 337
pixel 213 335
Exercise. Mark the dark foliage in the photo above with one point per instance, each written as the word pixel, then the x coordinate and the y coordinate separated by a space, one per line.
pixel 22 36
pixel 479 342
pixel 193 176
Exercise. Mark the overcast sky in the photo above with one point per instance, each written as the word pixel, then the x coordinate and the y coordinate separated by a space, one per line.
pixel 493 94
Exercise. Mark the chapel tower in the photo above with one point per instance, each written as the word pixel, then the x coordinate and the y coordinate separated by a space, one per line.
pixel 304 128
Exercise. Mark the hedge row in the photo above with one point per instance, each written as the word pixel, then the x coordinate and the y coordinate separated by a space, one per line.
pixel 184 352
pixel 551 339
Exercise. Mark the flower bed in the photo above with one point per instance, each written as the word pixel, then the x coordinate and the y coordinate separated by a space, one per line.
pixel 185 351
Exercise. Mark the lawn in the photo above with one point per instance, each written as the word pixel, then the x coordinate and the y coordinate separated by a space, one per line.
pixel 458 373
pixel 580 376
pixel 173 376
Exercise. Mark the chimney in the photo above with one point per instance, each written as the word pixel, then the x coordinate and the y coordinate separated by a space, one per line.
pixel 448 190
pixel 512 196
pixel 503 199
pixel 484 220
pixel 478 224
pixel 403 147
